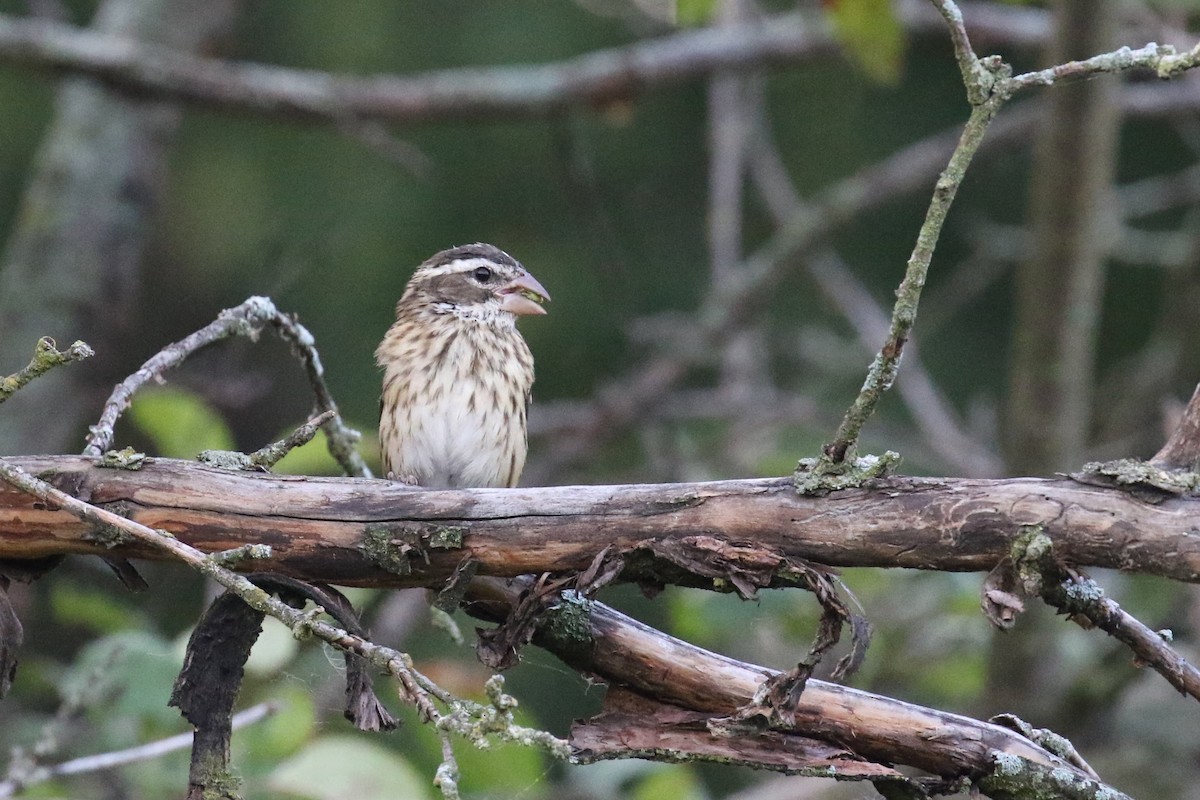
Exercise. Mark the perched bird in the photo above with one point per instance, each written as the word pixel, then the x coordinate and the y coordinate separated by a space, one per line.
pixel 457 373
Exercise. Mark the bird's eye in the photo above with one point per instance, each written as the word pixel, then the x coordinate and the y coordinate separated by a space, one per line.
pixel 482 274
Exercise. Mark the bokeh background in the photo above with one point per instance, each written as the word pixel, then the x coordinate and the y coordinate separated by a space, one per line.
pixel 1061 324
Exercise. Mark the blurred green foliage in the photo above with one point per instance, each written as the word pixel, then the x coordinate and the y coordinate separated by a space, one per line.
pixel 871 34
pixel 377 773
pixel 180 423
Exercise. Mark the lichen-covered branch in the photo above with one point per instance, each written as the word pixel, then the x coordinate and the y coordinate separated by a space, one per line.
pixel 1037 569
pixel 1162 59
pixel 46 356
pixel 883 369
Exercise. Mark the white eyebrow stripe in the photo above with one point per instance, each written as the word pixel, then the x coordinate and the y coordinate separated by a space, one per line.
pixel 459 265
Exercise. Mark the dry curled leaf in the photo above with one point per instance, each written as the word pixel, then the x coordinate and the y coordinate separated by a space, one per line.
pixel 999 598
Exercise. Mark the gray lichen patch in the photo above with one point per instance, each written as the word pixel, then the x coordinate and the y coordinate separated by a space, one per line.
pixel 568 623
pixel 394 547
pixel 569 620
pixel 110 535
pixel 226 459
pixel 447 537
pixel 815 477
pixel 1139 477
pixel 125 458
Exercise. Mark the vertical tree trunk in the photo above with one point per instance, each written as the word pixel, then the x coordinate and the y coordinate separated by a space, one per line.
pixel 70 269
pixel 1059 292
pixel 735 100
pixel 1061 285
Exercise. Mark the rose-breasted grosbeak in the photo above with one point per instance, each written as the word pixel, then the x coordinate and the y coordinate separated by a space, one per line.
pixel 457 373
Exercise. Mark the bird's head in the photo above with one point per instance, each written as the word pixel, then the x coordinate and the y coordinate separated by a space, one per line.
pixel 474 281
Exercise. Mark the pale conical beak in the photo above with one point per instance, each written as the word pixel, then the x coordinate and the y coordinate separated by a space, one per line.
pixel 523 295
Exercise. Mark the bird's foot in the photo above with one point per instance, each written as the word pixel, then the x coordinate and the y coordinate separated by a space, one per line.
pixel 407 480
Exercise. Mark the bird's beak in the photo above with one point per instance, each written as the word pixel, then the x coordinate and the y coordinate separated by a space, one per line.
pixel 523 295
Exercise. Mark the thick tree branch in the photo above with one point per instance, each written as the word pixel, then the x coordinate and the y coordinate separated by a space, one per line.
pixel 875 728
pixel 494 92
pixel 462 717
pixel 380 533
pixel 624 652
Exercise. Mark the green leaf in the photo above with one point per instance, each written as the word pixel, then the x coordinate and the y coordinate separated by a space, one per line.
pixel 179 423
pixel 678 781
pixel 500 768
pixel 284 732
pixel 503 767
pixel 274 649
pixel 138 667
pixel 693 13
pixel 872 36
pixel 346 767
pixel 99 611
pixel 314 459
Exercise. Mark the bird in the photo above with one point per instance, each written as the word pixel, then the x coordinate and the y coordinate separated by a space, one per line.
pixel 457 374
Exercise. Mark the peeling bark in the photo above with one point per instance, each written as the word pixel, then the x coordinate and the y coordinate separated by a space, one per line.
pixel 316 527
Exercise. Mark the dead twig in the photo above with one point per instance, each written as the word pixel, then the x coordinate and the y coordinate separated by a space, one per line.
pixel 46 356
pixel 246 320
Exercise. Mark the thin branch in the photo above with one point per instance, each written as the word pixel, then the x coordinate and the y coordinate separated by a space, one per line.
pixel 46 356
pixel 989 84
pixel 883 369
pixel 975 77
pixel 120 758
pixel 1161 58
pixel 1084 600
pixel 934 415
pixel 246 320
pixel 1036 568
pixel 340 438
pixel 269 456
pixel 1182 450
pixel 929 408
pixel 446 777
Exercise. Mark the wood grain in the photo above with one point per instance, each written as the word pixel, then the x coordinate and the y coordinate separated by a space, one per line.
pixel 316 526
